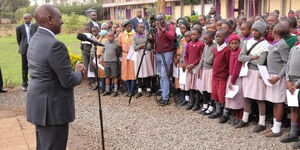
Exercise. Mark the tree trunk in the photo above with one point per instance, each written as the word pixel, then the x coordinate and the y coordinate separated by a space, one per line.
pixel 160 6
pixel 181 7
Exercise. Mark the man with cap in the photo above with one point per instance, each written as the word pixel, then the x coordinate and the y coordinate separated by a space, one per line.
pixel 164 47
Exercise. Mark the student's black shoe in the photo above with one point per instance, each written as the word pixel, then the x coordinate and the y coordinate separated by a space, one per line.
pixel 163 102
pixel 233 121
pixel 183 103
pixel 215 115
pixel 139 94
pixel 224 119
pixel 259 128
pixel 296 145
pixel 24 88
pixel 289 138
pixel 149 94
pixel 202 110
pixel 3 90
pixel 106 93
pixel 241 124
pixel 115 94
pixel 101 90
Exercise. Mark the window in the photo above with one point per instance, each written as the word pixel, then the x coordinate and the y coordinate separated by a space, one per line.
pixel 128 14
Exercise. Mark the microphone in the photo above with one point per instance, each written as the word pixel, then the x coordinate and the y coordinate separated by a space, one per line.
pixel 83 37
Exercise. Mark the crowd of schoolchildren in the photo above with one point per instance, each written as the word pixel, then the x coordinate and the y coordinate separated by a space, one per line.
pixel 208 58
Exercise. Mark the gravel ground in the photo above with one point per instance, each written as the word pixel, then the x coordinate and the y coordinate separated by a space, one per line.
pixel 144 126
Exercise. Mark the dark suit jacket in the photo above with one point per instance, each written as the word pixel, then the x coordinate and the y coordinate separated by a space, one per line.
pixel 22 37
pixel 90 24
pixel 135 22
pixel 50 95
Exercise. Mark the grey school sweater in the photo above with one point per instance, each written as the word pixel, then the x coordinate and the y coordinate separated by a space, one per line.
pixel 110 51
pixel 293 66
pixel 277 57
pixel 207 58
pixel 243 57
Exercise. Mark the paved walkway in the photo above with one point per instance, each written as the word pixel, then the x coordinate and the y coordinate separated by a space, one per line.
pixel 16 134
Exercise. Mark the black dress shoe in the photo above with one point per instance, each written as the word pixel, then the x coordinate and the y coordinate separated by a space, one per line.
pixel 106 93
pixel 139 94
pixel 163 102
pixel 259 128
pixel 289 138
pixel 183 103
pixel 215 115
pixel 241 124
pixel 3 90
pixel 224 119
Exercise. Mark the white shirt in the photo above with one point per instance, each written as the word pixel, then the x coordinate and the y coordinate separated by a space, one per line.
pixel 48 31
pixel 140 20
pixel 220 47
pixel 95 24
pixel 27 27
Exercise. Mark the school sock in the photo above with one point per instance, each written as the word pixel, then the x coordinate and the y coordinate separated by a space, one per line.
pixel 245 116
pixel 274 119
pixel 140 90
pixel 262 120
pixel 116 87
pixel 148 89
pixel 226 112
pixel 276 127
pixel 107 88
pixel 187 98
pixel 205 106
pixel 294 129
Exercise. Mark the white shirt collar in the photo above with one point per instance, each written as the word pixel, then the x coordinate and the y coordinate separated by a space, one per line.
pixel 220 47
pixel 95 23
pixel 139 19
pixel 48 31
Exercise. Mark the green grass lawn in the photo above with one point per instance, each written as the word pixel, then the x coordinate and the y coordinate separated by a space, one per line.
pixel 10 59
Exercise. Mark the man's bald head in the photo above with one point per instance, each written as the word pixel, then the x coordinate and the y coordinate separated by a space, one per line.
pixel 49 17
pixel 27 18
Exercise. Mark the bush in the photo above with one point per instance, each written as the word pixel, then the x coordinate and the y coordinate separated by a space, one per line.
pixel 74 58
pixel 73 22
pixel 194 18
pixel 80 9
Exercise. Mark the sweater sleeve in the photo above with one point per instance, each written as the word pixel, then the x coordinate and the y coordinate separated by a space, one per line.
pixel 170 33
pixel 236 71
pixel 261 60
pixel 284 55
pixel 201 61
pixel 287 77
pixel 134 44
pixel 196 62
pixel 186 55
pixel 243 57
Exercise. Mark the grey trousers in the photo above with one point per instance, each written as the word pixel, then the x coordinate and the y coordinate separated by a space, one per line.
pixel 52 137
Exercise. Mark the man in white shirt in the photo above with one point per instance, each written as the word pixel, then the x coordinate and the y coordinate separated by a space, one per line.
pixel 24 33
pixel 93 22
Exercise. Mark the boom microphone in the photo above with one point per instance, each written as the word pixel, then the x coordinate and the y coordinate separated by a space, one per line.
pixel 83 37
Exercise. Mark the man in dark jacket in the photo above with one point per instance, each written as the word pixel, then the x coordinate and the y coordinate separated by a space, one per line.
pixel 139 19
pixel 24 34
pixel 50 96
pixel 93 22
pixel 213 14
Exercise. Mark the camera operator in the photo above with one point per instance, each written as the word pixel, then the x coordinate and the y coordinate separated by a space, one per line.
pixel 164 48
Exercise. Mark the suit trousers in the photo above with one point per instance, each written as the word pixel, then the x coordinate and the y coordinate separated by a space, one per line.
pixel 24 70
pixel 1 80
pixel 53 137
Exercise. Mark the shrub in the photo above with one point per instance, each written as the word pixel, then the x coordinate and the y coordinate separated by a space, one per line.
pixel 74 58
pixel 73 22
pixel 194 18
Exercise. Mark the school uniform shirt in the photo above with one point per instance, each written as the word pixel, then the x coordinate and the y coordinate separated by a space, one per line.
pixel 244 40
pixel 260 50
pixel 293 67
pixel 234 65
pixel 193 52
pixel 110 51
pixel 221 62
pixel 127 68
pixel 207 57
pixel 278 54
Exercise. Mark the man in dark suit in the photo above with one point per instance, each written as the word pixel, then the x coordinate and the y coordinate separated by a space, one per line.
pixel 139 19
pixel 1 83
pixel 213 14
pixel 24 34
pixel 50 96
pixel 93 22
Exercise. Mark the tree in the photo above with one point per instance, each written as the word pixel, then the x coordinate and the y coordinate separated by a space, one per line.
pixel 3 4
pixel 12 5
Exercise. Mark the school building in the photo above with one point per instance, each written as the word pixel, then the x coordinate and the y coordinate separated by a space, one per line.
pixel 126 9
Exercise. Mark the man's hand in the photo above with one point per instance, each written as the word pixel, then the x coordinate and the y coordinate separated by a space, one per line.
pixel 274 80
pixel 80 67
